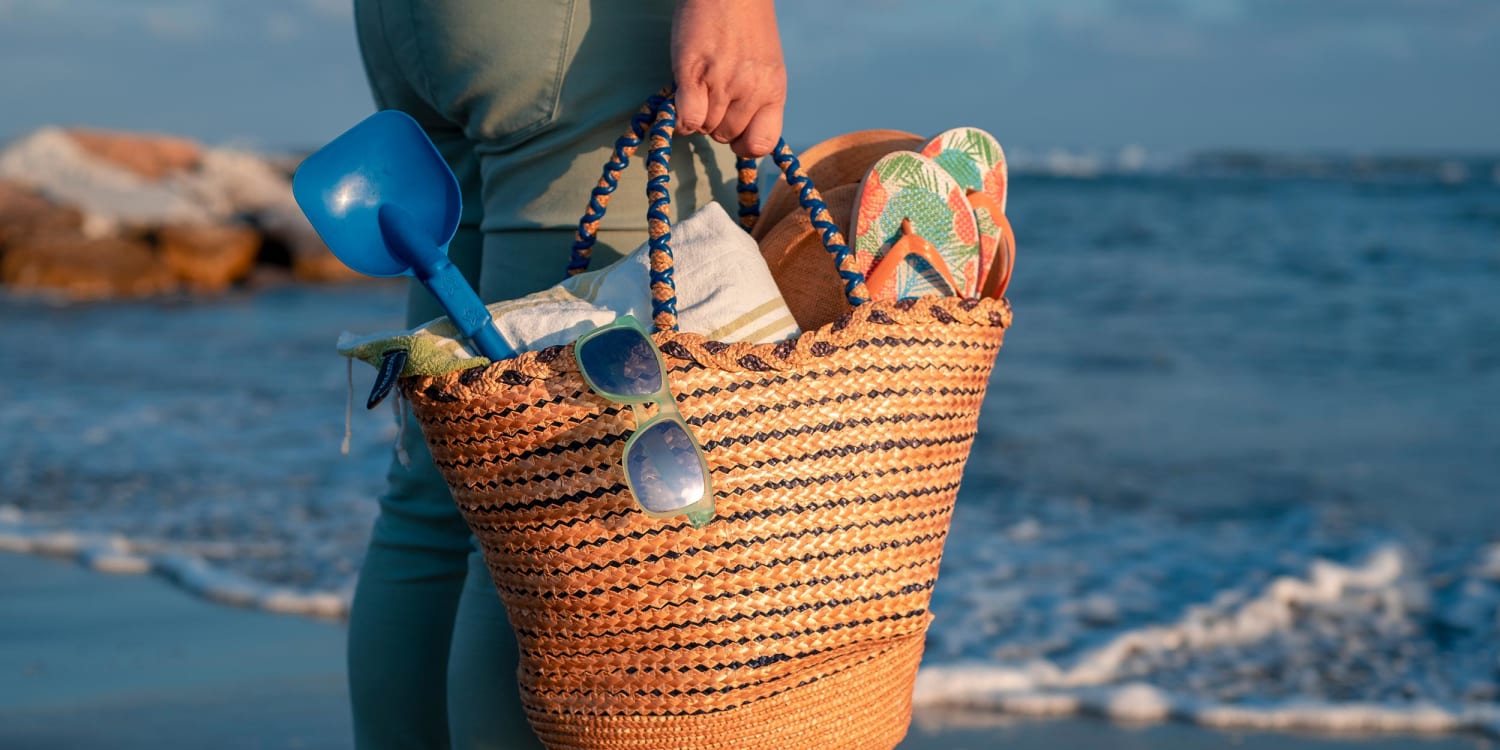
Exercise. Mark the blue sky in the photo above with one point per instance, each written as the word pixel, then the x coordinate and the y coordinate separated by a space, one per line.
pixel 1172 75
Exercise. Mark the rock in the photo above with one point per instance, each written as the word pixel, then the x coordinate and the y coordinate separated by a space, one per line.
pixel 231 182
pixel 72 265
pixel 148 155
pixel 312 261
pixel 23 212
pixel 310 258
pixel 18 203
pixel 192 201
pixel 208 258
pixel 111 198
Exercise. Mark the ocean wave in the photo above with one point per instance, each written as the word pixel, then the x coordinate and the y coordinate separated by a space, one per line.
pixel 1400 639
pixel 184 564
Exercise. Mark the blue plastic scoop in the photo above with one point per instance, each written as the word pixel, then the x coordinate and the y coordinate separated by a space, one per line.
pixel 385 202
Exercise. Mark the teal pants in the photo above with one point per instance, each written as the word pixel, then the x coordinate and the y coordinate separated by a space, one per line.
pixel 524 99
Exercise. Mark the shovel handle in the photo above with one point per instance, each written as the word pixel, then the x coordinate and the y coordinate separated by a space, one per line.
pixel 431 266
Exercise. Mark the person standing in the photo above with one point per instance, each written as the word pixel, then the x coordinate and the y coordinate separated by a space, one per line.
pixel 524 99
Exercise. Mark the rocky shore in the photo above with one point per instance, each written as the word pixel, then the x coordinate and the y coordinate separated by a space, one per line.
pixel 91 215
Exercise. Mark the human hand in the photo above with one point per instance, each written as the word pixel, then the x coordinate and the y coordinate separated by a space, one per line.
pixel 731 78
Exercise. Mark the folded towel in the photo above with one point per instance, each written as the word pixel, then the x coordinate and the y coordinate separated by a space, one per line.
pixel 724 291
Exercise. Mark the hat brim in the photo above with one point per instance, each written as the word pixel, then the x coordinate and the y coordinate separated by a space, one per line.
pixel 803 269
pixel 840 160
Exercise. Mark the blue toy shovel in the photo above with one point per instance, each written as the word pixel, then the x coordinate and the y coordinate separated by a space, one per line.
pixel 385 202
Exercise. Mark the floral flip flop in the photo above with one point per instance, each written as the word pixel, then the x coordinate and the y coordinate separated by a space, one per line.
pixel 975 159
pixel 906 189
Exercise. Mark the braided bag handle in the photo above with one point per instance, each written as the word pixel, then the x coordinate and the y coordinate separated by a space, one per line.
pixel 661 112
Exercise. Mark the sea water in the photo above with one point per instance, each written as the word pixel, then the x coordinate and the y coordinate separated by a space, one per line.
pixel 1239 463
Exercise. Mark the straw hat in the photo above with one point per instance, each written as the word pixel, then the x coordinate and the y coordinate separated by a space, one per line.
pixel 840 160
pixel 802 267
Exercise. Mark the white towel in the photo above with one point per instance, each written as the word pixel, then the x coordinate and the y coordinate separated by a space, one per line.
pixel 724 291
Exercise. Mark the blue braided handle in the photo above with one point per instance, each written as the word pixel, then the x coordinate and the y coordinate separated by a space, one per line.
pixel 661 113
pixel 749 192
pixel 609 181
pixel 659 217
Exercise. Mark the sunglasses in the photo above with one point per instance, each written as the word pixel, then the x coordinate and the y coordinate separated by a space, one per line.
pixel 664 465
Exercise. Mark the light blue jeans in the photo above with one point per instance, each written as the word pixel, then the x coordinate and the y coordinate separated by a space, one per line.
pixel 524 99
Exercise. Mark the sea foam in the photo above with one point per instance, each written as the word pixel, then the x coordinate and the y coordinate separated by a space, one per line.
pixel 1339 631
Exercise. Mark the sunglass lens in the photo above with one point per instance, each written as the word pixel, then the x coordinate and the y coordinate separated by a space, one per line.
pixel 621 362
pixel 665 471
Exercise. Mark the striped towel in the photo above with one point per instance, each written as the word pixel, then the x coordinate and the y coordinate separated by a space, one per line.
pixel 724 291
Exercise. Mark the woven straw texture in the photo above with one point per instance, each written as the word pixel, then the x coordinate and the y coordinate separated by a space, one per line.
pixel 795 619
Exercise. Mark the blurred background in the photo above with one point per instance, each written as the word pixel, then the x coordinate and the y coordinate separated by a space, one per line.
pixel 1347 76
pixel 1237 469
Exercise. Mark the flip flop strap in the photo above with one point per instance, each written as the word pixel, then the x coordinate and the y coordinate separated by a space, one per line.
pixel 994 280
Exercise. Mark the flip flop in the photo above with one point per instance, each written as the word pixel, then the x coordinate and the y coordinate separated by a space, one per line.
pixel 909 186
pixel 997 276
pixel 974 158
pixel 977 162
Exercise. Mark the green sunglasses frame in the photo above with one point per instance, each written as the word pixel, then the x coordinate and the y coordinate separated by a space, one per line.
pixel 699 513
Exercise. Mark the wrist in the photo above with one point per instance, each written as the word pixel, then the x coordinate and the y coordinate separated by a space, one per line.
pixel 728 7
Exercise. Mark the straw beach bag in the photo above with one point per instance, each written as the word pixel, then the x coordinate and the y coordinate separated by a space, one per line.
pixel 796 618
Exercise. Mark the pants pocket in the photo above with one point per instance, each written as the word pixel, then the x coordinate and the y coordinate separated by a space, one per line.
pixel 493 68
